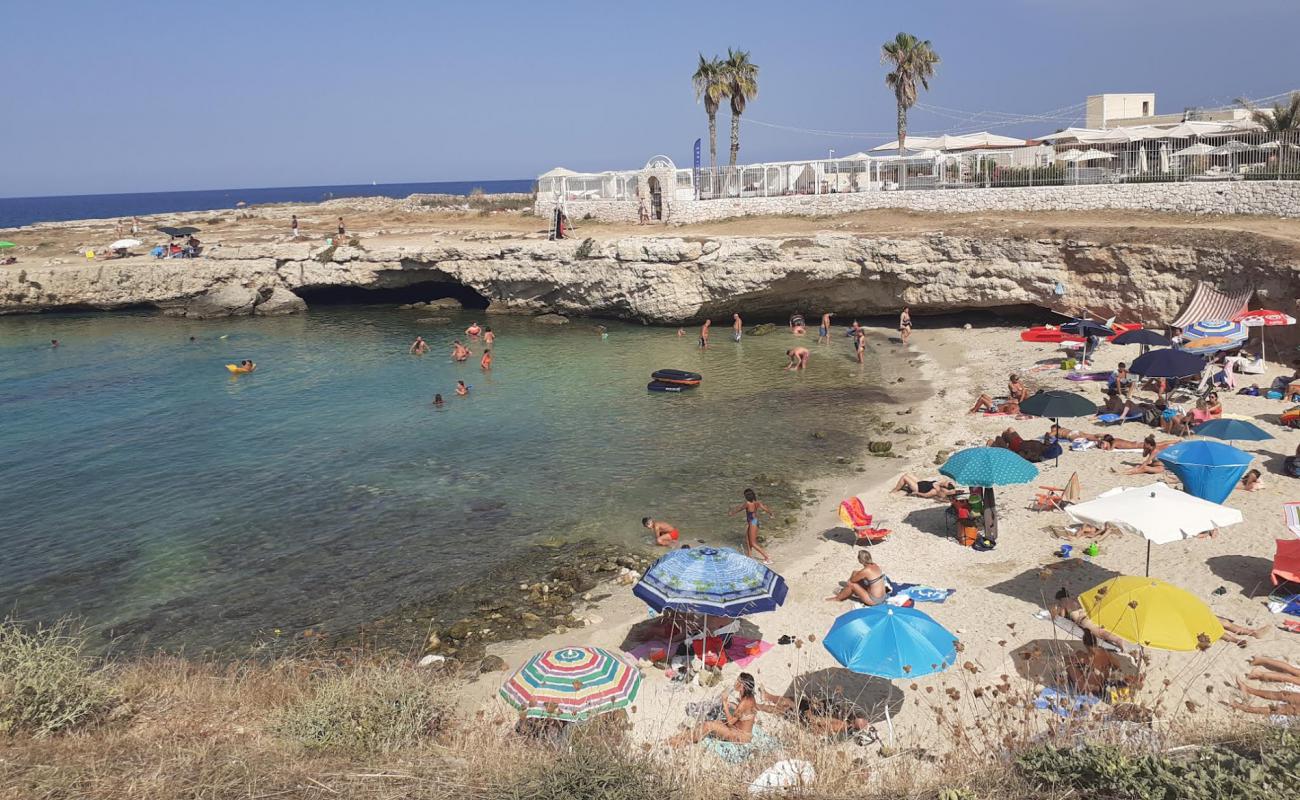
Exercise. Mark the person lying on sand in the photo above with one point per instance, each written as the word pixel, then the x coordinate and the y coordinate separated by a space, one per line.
pixel 867 584
pixel 938 489
pixel 1285 704
pixel 1092 670
pixel 987 403
pixel 821 717
pixel 1273 670
pixel 664 533
pixel 1250 482
pixel 1150 463
pixel 1068 607
pixel 739 724
pixel 1109 442
pixel 1237 634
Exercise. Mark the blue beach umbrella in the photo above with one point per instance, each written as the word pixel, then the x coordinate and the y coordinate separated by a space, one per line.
pixel 1167 363
pixel 1208 470
pixel 1233 430
pixel 1215 327
pixel 710 580
pixel 988 466
pixel 1143 336
pixel 891 642
pixel 1086 327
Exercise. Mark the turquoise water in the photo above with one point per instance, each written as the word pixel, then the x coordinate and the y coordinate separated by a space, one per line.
pixel 150 493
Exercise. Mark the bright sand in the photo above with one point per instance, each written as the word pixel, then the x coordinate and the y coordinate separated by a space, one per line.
pixel 998 592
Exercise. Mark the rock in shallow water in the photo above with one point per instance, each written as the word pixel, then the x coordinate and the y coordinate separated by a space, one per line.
pixel 223 301
pixel 281 303
pixel 551 319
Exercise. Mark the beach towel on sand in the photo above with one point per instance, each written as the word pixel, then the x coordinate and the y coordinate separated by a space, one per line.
pixel 737 652
pixel 736 753
pixel 922 594
pixel 1063 703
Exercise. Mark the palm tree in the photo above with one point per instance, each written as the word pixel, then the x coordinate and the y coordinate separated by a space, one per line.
pixel 913 61
pixel 711 87
pixel 742 86
pixel 1283 121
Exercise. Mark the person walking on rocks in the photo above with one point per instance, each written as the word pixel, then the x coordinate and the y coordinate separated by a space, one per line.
pixel 342 230
pixel 294 226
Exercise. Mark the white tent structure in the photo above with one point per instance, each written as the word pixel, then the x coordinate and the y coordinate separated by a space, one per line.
pixel 948 142
pixel 1158 513
pixel 1198 149
pixel 1094 155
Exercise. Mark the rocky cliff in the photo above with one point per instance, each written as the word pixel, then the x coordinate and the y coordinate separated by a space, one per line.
pixel 675 279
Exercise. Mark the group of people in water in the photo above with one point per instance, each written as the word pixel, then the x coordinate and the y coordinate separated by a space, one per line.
pixel 798 356
pixel 459 354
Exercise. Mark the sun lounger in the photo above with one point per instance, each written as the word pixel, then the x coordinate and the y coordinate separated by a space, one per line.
pixel 1055 498
pixel 854 514
pixel 1286 562
pixel 1069 628
pixel 1291 513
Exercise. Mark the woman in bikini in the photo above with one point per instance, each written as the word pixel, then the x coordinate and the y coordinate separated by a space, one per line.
pixel 739 718
pixel 911 486
pixel 1016 394
pixel 821 716
pixel 751 507
pixel 905 324
pixel 867 585
pixel 1109 442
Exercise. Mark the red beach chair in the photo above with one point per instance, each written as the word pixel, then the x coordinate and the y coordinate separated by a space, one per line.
pixel 854 514
pixel 1286 564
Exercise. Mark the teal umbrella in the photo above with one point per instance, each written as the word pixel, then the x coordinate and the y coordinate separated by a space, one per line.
pixel 988 466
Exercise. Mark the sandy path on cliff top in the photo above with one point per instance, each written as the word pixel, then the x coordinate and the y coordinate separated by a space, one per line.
pixel 66 242
pixel 998 591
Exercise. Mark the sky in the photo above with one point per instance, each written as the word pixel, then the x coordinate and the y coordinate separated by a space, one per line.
pixel 140 95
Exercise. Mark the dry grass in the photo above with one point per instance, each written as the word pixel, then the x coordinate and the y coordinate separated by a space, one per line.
pixel 361 727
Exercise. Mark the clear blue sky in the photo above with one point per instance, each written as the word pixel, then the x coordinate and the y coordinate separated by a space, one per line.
pixel 133 95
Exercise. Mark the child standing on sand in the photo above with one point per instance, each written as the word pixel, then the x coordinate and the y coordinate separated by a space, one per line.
pixel 751 507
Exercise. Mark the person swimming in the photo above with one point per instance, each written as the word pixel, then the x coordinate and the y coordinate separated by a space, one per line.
pixel 247 365
pixel 54 343
pixel 485 363
pixel 419 347
pixel 664 533
pixel 488 336
pixel 461 389
pixel 473 330
pixel 437 401
pixel 459 352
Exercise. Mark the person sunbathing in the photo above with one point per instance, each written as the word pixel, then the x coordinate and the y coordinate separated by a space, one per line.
pixel 739 718
pixel 938 489
pixel 821 717
pixel 1150 463
pixel 1273 670
pixel 1250 482
pixel 1109 442
pixel 987 403
pixel 1286 704
pixel 1016 389
pixel 1237 634
pixel 1068 607
pixel 1213 405
pixel 1090 671
pixel 1059 432
pixel 866 585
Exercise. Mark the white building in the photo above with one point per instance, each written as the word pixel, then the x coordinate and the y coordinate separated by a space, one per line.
pixel 1105 110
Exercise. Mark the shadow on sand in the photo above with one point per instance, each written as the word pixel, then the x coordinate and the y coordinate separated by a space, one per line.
pixel 841 688
pixel 1250 573
pixel 1039 586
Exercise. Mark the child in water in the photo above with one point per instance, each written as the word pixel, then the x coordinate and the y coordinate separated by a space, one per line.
pixel 486 362
pixel 664 533
pixel 437 401
pixel 751 507
pixel 461 389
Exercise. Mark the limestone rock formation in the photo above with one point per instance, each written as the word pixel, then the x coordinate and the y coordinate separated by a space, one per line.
pixel 551 319
pixel 281 302
pixel 223 301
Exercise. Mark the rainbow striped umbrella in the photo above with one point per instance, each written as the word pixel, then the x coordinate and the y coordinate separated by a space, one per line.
pixel 573 683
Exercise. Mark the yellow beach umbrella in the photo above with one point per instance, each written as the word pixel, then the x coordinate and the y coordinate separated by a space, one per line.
pixel 1151 613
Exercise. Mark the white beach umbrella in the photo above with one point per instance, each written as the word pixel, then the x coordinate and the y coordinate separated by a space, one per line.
pixel 1232 148
pixel 1198 149
pixel 122 244
pixel 1158 513
pixel 1275 145
pixel 1164 156
pixel 1069 155
pixel 1142 160
pixel 1094 155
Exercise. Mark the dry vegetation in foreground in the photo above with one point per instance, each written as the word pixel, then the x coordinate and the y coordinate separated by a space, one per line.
pixel 166 728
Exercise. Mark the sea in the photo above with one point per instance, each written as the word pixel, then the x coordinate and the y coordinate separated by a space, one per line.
pixel 152 496
pixel 18 211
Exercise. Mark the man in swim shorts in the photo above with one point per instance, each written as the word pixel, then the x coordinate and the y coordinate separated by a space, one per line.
pixel 704 333
pixel 664 533
pixel 824 332
pixel 798 358
pixel 736 327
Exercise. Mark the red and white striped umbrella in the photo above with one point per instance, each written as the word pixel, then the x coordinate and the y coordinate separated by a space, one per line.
pixel 1263 317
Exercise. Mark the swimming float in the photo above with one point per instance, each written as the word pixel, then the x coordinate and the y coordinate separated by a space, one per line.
pixel 238 370
pixel 677 376
pixel 1050 334
pixel 659 386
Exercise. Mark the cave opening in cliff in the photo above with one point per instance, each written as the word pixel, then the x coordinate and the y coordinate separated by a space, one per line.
pixel 421 292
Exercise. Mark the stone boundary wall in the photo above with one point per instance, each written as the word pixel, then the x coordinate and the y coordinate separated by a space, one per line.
pixel 1265 198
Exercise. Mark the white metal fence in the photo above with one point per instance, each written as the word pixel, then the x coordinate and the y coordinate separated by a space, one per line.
pixel 1234 156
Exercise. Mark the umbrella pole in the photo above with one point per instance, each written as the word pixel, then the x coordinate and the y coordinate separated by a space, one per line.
pixel 1148 558
pixel 889 721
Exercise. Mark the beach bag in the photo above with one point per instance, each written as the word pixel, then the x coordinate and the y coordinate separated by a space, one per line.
pixel 984 544
pixel 1291 417
pixel 1274 394
pixel 967 533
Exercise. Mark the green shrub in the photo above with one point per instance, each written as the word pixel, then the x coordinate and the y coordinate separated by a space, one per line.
pixel 327 255
pixel 368 708
pixel 1264 771
pixel 46 684
pixel 592 770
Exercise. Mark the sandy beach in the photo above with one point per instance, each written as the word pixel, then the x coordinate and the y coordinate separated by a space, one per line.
pixel 1005 649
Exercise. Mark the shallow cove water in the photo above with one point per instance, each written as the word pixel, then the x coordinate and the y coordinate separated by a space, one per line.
pixel 147 491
